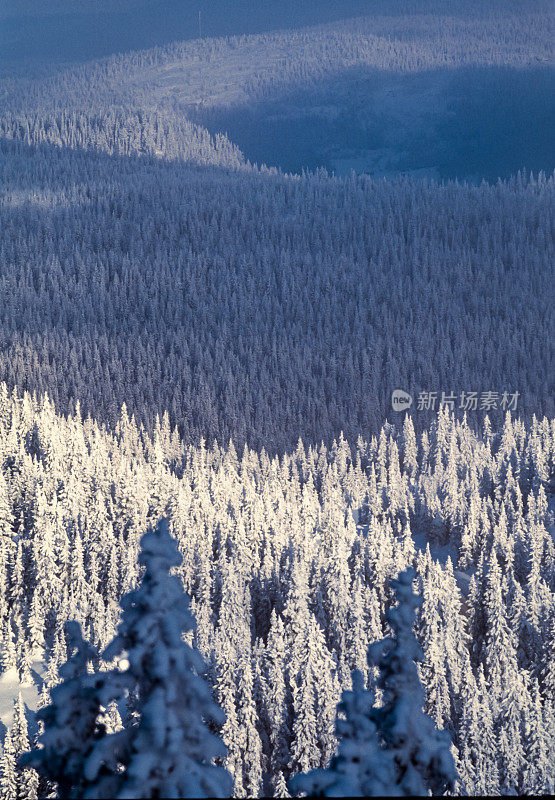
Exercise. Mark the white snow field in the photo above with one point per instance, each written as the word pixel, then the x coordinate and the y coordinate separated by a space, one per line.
pixel 10 688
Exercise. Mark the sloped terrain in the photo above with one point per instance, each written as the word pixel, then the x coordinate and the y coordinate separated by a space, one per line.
pixel 264 307
pixel 245 242
pixel 439 93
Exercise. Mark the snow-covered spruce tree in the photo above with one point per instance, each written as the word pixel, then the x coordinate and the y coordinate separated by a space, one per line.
pixel 394 749
pixel 70 720
pixel 27 779
pixel 422 759
pixel 8 769
pixel 169 753
pixel 361 768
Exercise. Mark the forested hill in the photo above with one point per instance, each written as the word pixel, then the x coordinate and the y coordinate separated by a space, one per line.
pixel 238 70
pixel 263 307
pixel 34 33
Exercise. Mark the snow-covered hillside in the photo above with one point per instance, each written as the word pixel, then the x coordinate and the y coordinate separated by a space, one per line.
pixel 35 33
pixel 266 307
pixel 437 94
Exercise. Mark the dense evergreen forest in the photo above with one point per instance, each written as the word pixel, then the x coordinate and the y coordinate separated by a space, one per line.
pixel 288 561
pixel 265 307
pixel 228 565
pixel 174 275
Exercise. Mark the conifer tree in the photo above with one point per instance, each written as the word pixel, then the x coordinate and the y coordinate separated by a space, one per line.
pixel 393 749
pixel 421 754
pixel 8 769
pixel 169 752
pixel 361 768
pixel 275 696
pixel 8 654
pixel 499 645
pixel 70 721
pixel 27 778
pixel 247 732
